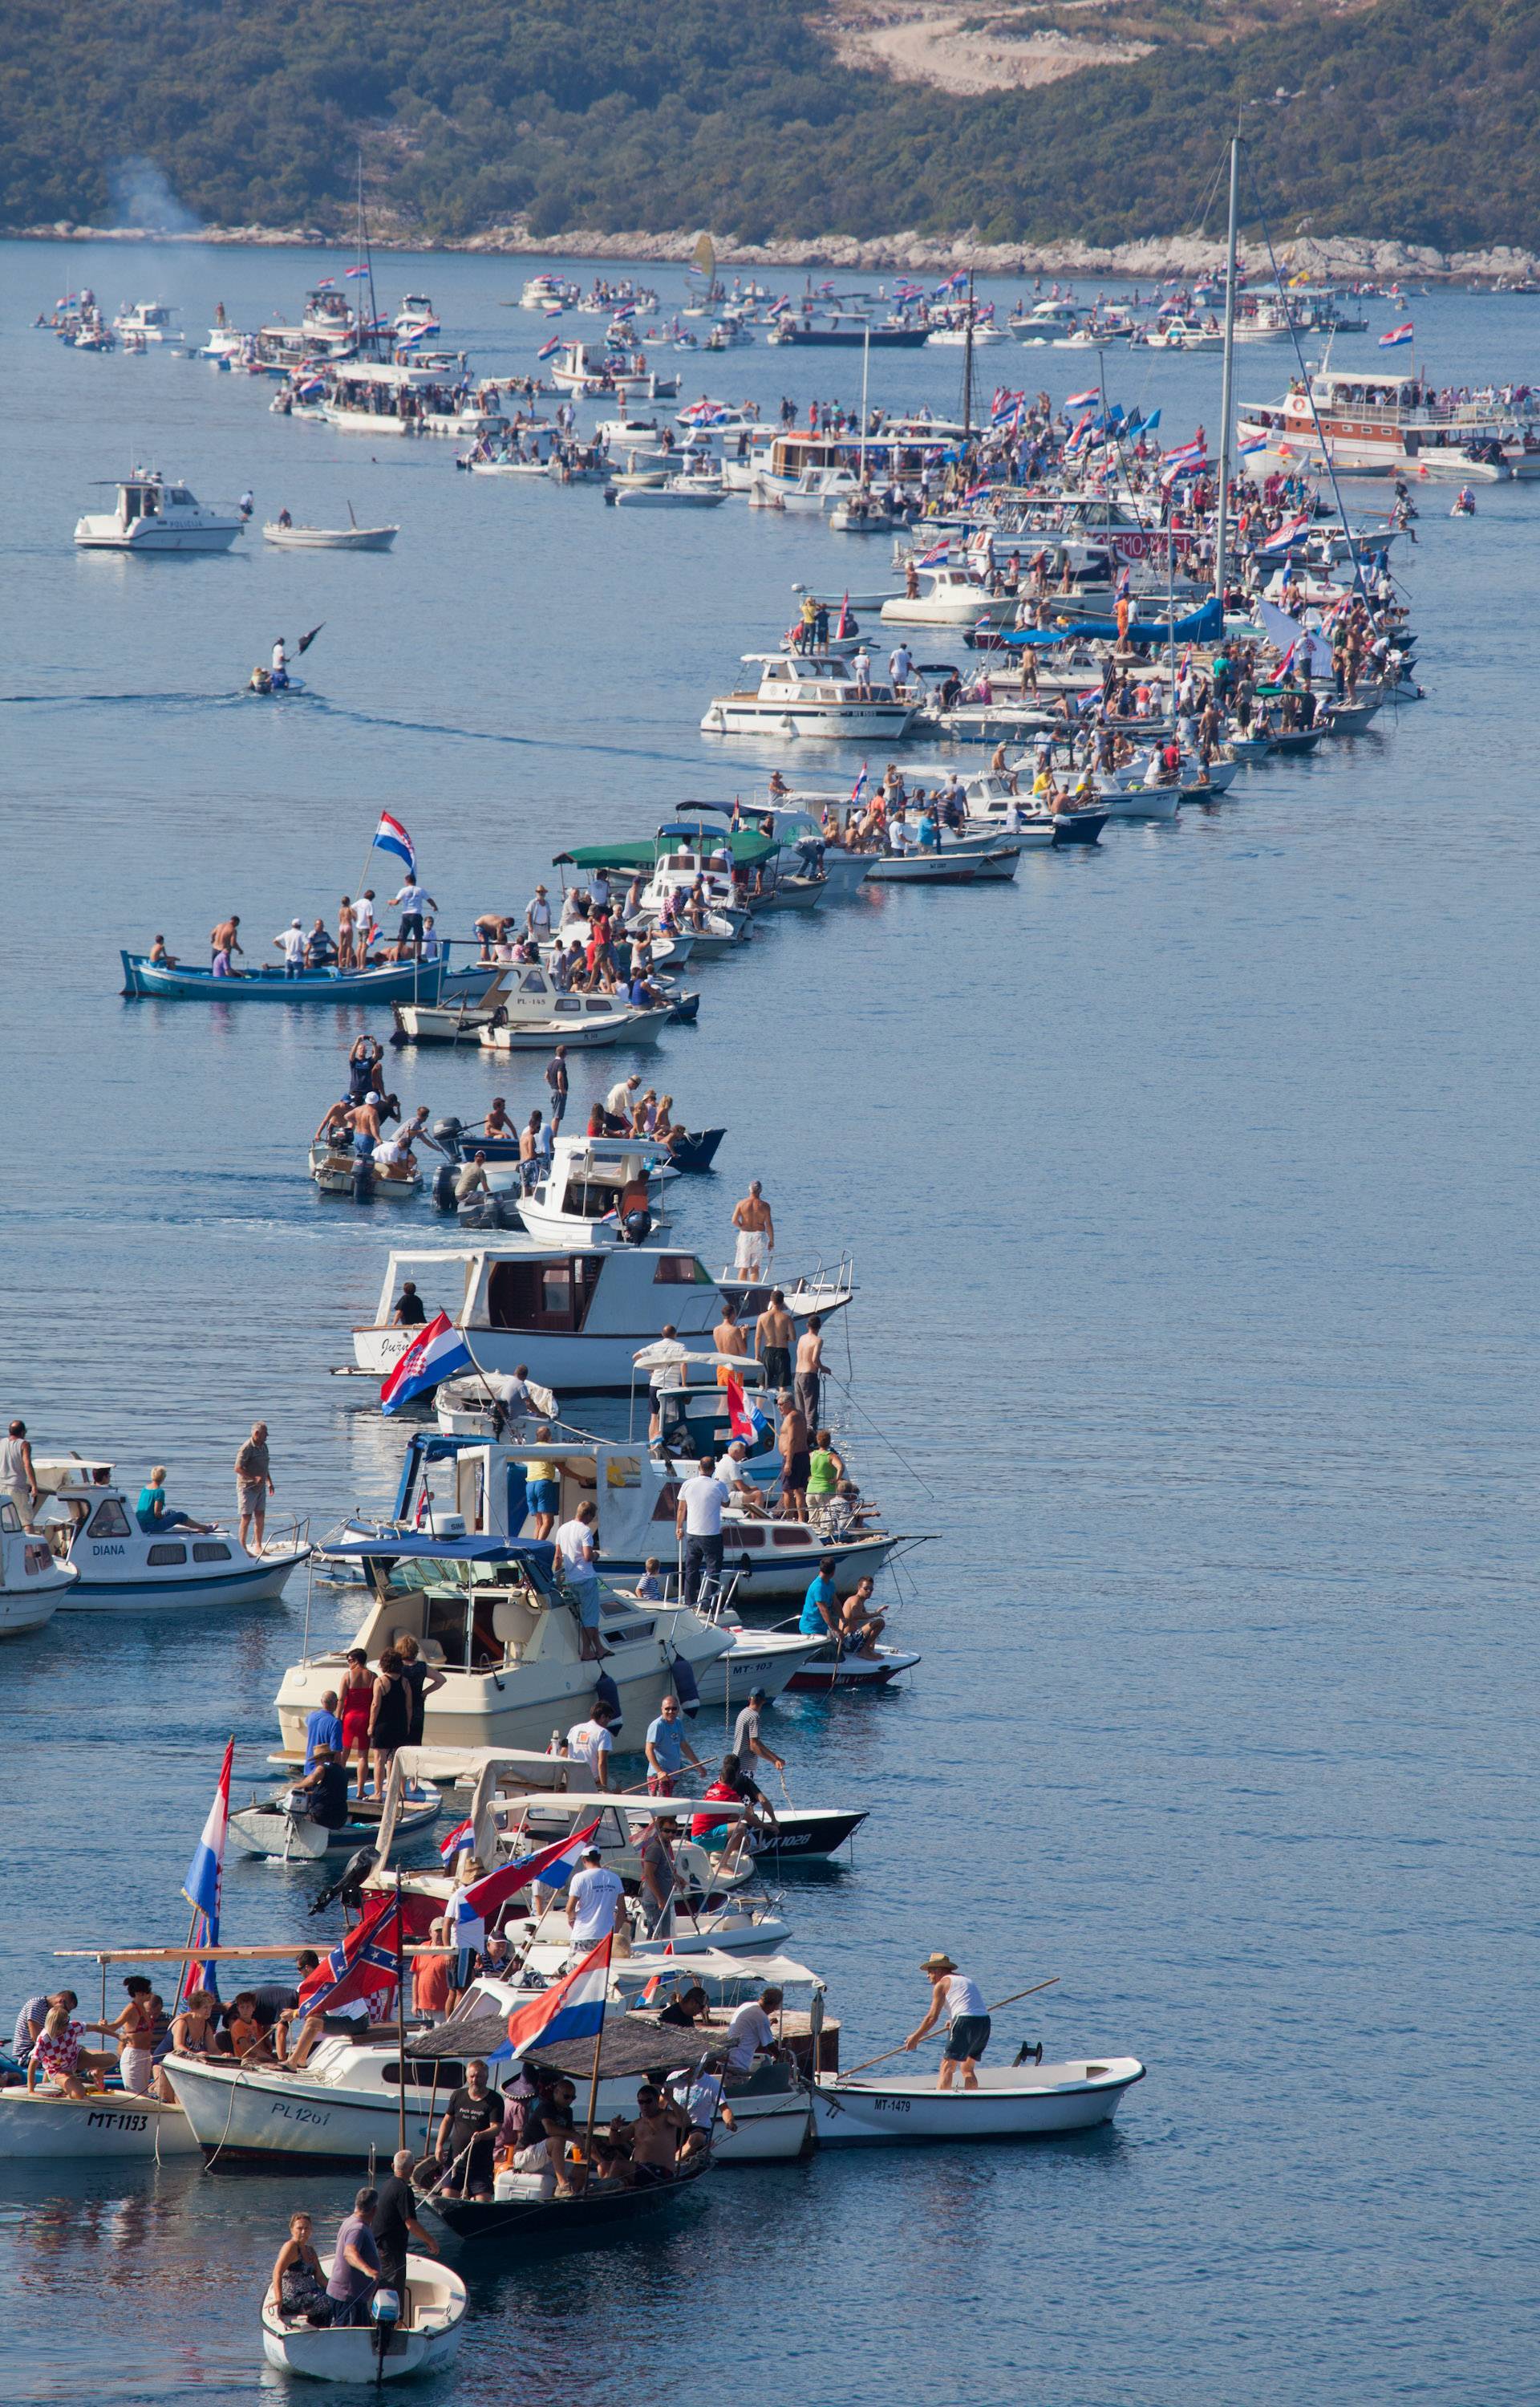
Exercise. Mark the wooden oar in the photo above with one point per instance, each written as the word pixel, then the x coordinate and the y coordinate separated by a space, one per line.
pixel 989 2010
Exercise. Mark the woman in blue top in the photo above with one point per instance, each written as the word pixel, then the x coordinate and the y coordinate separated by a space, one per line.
pixel 153 1513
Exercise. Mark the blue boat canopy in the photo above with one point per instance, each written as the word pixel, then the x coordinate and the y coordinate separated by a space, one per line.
pixel 1198 627
pixel 392 1546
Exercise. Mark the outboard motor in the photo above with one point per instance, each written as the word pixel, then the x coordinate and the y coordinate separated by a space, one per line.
pixel 349 1884
pixel 363 1180
pixel 447 1132
pixel 443 1186
pixel 639 1226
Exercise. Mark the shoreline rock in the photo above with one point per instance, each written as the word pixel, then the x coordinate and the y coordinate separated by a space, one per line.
pixel 1334 257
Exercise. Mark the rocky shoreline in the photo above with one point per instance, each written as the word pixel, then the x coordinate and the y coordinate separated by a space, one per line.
pixel 1337 258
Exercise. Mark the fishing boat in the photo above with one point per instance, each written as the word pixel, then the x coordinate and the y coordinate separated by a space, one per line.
pixel 32 1577
pixel 348 538
pixel 106 2126
pixel 577 1316
pixel 91 1527
pixel 807 695
pixel 833 1669
pixel 338 1169
pixel 422 2338
pixel 155 515
pixel 272 1826
pixel 1010 2102
pixel 183 982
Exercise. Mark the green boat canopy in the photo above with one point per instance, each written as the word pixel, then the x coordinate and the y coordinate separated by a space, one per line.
pixel 748 846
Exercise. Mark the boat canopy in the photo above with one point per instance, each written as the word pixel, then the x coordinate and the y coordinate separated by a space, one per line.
pixel 397 1545
pixel 748 846
pixel 1198 627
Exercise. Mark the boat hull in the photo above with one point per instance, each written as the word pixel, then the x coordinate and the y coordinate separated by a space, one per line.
pixel 408 982
pixel 267 1830
pixel 330 538
pixel 248 2115
pixel 908 2111
pixel 852 724
pixel 113 2128
pixel 354 2353
pixel 262 1583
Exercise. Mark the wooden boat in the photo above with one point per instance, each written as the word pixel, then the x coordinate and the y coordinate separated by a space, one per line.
pixel 1012 2102
pixel 527 2215
pixel 348 538
pixel 267 1827
pixel 392 982
pixel 111 2125
pixel 422 2340
pixel 335 1168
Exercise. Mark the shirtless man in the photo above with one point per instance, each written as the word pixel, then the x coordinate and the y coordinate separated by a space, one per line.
pixel 497 1122
pixel 773 1332
pixel 809 1371
pixel 730 1336
pixel 755 1233
pixel 338 1122
pixel 224 938
pixel 364 1121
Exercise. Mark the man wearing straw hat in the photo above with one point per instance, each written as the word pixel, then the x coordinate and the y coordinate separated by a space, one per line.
pixel 961 2001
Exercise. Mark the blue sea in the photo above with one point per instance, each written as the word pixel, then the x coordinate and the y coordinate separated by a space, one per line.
pixel 1189 1182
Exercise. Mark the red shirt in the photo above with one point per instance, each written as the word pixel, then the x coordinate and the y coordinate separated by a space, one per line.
pixel 701 1823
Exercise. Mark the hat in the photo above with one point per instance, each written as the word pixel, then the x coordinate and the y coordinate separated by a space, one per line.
pixel 937 1963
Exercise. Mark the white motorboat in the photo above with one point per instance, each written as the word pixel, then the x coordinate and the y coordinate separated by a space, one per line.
pixel 530 1015
pixel 953 599
pixel 577 1316
pixel 271 1826
pixel 423 2338
pixel 335 1165
pixel 1370 423
pixel 547 292
pixel 1183 335
pixel 118 1567
pixel 996 802
pixel 1045 321
pixel 810 491
pixel 225 343
pixel 416 318
pixel 578 1199
pixel 1010 2102
pixel 154 516
pixel 673 493
pixel 109 2126
pixel 32 1578
pixel 986 859
pixel 688 871
pixel 348 538
pixel 151 321
pixel 809 696
pixel 959 338
pixel 422 397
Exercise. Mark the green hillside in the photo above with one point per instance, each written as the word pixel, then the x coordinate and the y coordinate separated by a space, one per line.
pixel 1403 122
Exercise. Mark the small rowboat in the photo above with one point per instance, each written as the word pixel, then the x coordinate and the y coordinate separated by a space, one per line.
pixel 109 2124
pixel 266 1827
pixel 348 538
pixel 424 2338
pixel 335 1171
pixel 524 2208
pixel 1012 2102
pixel 827 1669
pixel 393 982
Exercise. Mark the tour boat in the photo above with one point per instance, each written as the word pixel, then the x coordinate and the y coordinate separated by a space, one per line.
pixel 33 1580
pixel 379 397
pixel 422 2338
pixel 153 514
pixel 577 1317
pixel 269 1826
pixel 806 695
pixel 1010 2102
pixel 107 2126
pixel 348 538
pixel 1370 424
pixel 118 1567
pixel 150 320
pixel 270 982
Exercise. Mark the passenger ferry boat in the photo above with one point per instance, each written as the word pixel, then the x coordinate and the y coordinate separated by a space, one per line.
pixel 1372 425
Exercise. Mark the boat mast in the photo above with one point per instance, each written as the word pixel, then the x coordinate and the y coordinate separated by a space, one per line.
pixel 967 366
pixel 1221 517
pixel 866 366
pixel 366 261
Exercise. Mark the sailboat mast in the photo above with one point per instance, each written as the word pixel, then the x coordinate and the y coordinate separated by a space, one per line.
pixel 367 263
pixel 1221 520
pixel 967 364
pixel 866 366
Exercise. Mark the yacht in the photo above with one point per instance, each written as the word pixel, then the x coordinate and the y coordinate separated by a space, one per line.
pixel 547 292
pixel 1371 425
pixel 529 1014
pixel 1044 320
pixel 422 397
pixel 953 599
pixel 154 516
pixel 91 1529
pixel 575 1316
pixel 415 319
pixel 149 321
pixel 807 695
pixel 33 1580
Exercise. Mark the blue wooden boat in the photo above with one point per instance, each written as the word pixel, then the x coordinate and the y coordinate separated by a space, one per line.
pixel 395 982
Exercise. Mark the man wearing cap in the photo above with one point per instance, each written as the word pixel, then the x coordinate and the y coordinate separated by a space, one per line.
pixel 960 2001
pixel 746 1741
pixel 593 1898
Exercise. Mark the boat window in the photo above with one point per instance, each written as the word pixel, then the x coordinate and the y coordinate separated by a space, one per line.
pixel 792 1537
pixel 180 493
pixel 166 1554
pixel 569 1004
pixel 443 2072
pixel 602 1009
pixel 110 1520
pixel 748 1534
pixel 681 1270
pixel 7 1518
pixel 209 1551
pixel 533 983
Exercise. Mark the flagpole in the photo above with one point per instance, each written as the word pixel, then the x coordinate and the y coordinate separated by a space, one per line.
pixel 400 2021
pixel 593 2076
pixel 367 859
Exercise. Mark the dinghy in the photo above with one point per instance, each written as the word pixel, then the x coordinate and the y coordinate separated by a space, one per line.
pixel 422 2339
pixel 1010 2102
pixel 267 1826
pixel 348 538
pixel 335 1171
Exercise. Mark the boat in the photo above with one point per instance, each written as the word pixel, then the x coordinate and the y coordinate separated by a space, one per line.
pixel 575 1199
pixel 549 292
pixel 415 396
pixel 423 2338
pixel 808 695
pixel 1370 424
pixel 270 1827
pixel 963 860
pixel 1178 334
pixel 183 982
pixel 148 322
pixel 338 1169
pixel 852 333
pixel 831 1670
pixel 106 2126
pixel 33 1579
pixel 1045 321
pixel 91 1527
pixel 684 492
pixel 348 538
pixel 1010 2102
pixel 415 317
pixel 155 515
pixel 530 1015
pixel 955 599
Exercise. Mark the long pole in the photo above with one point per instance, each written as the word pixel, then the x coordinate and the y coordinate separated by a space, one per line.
pixel 967 366
pixel 400 2020
pixel 1222 515
pixel 995 2009
pixel 866 364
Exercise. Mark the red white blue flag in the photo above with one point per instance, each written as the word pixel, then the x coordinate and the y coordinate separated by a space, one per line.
pixel 548 350
pixel 552 1867
pixel 205 1878
pixel 1397 334
pixel 574 2009
pixel 390 836
pixel 437 1352
pixel 462 1835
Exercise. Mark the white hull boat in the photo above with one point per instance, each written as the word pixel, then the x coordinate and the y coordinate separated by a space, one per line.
pixel 112 2126
pixel 673 493
pixel 267 1826
pixel 423 2340
pixel 967 860
pixel 118 1567
pixel 348 538
pixel 1010 2102
pixel 807 695
pixel 954 600
pixel 1141 802
pixel 33 1580
pixel 155 514
pixel 334 1169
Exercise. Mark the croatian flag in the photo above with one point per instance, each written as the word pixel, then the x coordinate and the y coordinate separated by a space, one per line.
pixel 858 791
pixel 745 1421
pixel 329 283
pixel 363 1967
pixel 574 2009
pixel 437 1352
pixel 938 552
pixel 1082 400
pixel 205 1877
pixel 355 271
pixel 1287 535
pixel 1257 443
pixel 552 1867
pixel 462 1835
pixel 1397 334
pixel 627 309
pixel 546 350
pixel 953 283
pixel 390 836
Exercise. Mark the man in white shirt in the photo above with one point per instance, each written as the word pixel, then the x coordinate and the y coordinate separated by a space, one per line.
pixel 861 667
pixel 732 1473
pixel 698 1519
pixel 576 1545
pixel 901 835
pixel 537 917
pixel 290 943
pixel 412 902
pixel 592 1897
pixel 364 923
pixel 593 1741
pixel 618 1102
pixel 959 2000
pixel 751 2031
pixel 900 664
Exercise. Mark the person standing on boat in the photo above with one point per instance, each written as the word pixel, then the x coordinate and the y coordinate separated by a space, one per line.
pixel 421 1680
pixel 959 2002
pixel 225 939
pixel 773 1332
pixel 17 1477
pixel 809 1371
pixel 355 2274
pixel 254 1486
pixel 697 1522
pixel 730 1336
pixel 279 671
pixel 410 1312
pixel 412 902
pixel 390 1715
pixel 556 1079
pixel 667 1747
pixel 756 1227
pixel 395 2225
